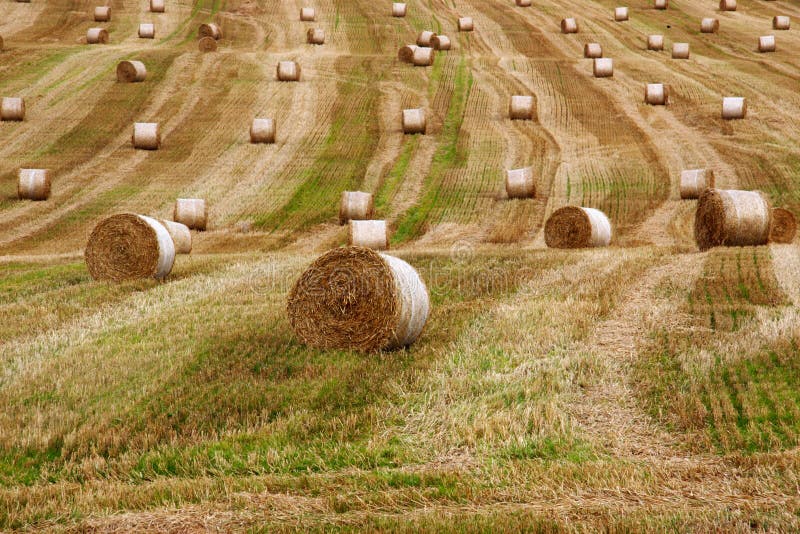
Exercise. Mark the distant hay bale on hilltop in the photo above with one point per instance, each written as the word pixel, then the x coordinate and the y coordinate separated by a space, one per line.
pixel 180 234
pixel 33 184
pixel 734 107
pixel 102 14
pixel 784 226
pixel 146 136
pixel 440 42
pixel 262 131
pixel 147 31
pixel 766 43
pixel 12 108
pixel 680 50
pixel 732 218
pixel 709 25
pixel 355 298
pixel 207 44
pixel 308 14
pixel 288 71
pixel 781 22
pixel 569 25
pixel 156 6
pixel 524 3
pixel 192 212
pixel 466 24
pixel 695 181
pixel 727 5
pixel 128 246
pixel 576 227
pixel 592 50
pixel 1 42
pixel 661 4
pixel 96 36
pixel 520 183
pixel 131 71
pixel 424 38
pixel 398 9
pixel 209 30
pixel 521 107
pixel 656 94
pixel 315 36
pixel 414 121
pixel 368 233
pixel 356 206
pixel 603 67
pixel 620 14
pixel 423 56
pixel 655 42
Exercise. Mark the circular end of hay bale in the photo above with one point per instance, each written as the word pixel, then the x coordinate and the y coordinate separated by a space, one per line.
pixel 262 131
pixel 592 50
pixel 33 184
pixel 96 36
pixel 180 234
pixel 102 14
pixel 406 53
pixel 209 30
pixel 12 109
pixel 709 220
pixel 440 42
pixel 146 136
pixel 569 25
pixel 655 42
pixel 128 246
pixel 424 38
pixel 603 67
pixel 315 36
pixel 131 71
pixel 207 44
pixel 192 212
pixel 521 107
pixel 288 71
pixel 576 227
pixel 398 9
pixel 784 226
pixel 354 298
pixel 356 206
pixel 656 94
pixel 520 183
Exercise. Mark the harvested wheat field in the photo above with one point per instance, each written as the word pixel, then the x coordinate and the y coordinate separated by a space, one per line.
pixel 492 367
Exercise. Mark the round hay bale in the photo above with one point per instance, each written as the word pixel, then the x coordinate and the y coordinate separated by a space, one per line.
pixel 414 121
pixel 440 42
pixel 146 136
pixel 288 71
pixel 784 226
pixel 33 184
pixel 210 30
pixel 262 131
pixel 520 183
pixel 308 14
pixel 680 50
pixel 574 227
pixel 406 53
pixel 709 25
pixel 423 56
pixel 656 94
pixel 12 109
pixel 766 43
pixel 147 31
pixel 661 4
pixel 521 107
pixel 603 67
pixel 131 71
pixel 734 107
pixel 398 9
pixel 695 181
pixel 96 36
pixel 465 24
pixel 524 3
pixel 129 246
pixel 191 212
pixel 180 234
pixel 315 36
pixel 727 5
pixel 370 234
pixel 620 14
pixel 781 22
pixel 732 218
pixel 569 25
pixel 102 14
pixel 1 42
pixel 424 38
pixel 655 42
pixel 357 299
pixel 207 44
pixel 156 6
pixel 356 206
pixel 592 50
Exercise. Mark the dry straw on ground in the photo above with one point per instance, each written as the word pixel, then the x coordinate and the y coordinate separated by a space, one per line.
pixel 766 43
pixel 131 71
pixel 12 108
pixel 709 25
pixel 656 94
pixel 466 24
pixel 157 6
pixel 406 53
pixel 262 131
pixel 129 246
pixel 732 218
pixel 209 30
pixel 368 233
pixel 680 50
pixel 781 22
pixel 207 44
pixel 574 227
pixel 784 226
pixel 356 206
pixel 655 42
pixel 102 14
pixel 424 38
pixel 661 4
pixel 734 107
pixel 521 107
pixel 146 136
pixel 192 212
pixel 620 14
pixel 592 50
pixel 440 42
pixel 414 121
pixel 355 298
pixel 695 181
pixel 603 67
pixel 398 9
pixel 308 14
pixel 569 25
pixel 423 56
pixel 288 71
pixel 147 30
pixel 96 36
pixel 33 184
pixel 315 36
pixel 727 5
pixel 180 234
pixel 520 183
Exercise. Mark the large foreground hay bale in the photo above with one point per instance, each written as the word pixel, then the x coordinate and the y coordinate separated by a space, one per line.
pixel 520 183
pixel 680 50
pixel 620 14
pixel 656 94
pixel 414 121
pixel 308 14
pixel 12 108
pixel 156 6
pixel 440 42
pixel 603 67
pixel 574 227
pixel 315 36
pixel 695 181
pixel 781 22
pixel 466 24
pixel 368 233
pixel 727 5
pixel 209 30
pixel 356 206
pixel 180 234
pixel 732 218
pixel 569 25
pixel 355 298
pixel 398 9
pixel 661 4
pixel 262 131
pixel 423 56
pixel 424 38
pixel 147 30
pixel 207 44
pixel 192 212
pixel 734 107
pixel 131 71
pixel 146 136
pixel 33 184
pixel 128 246
pixel 709 25
pixel 784 226
pixel 521 107
pixel 97 36
pixel 766 43
pixel 288 71
pixel 592 50
pixel 655 42
pixel 102 14
pixel 406 53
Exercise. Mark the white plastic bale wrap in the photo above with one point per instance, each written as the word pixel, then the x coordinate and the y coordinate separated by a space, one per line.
pixel 620 14
pixel 370 234
pixel 781 22
pixel 680 50
pixel 766 43
pixel 655 42
pixel 166 247
pixel 414 299
pixel 603 67
pixel 147 31
pixel 601 227
pixel 656 94
pixel 398 9
pixel 592 50
pixel 734 107
pixel 520 183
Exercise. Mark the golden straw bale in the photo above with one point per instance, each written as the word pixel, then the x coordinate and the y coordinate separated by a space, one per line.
pixel 440 42
pixel 207 44
pixel 146 136
pixel 592 50
pixel 766 43
pixel 466 24
pixel 655 42
pixel 262 131
pixel 156 6
pixel 209 30
pixel 131 71
pixel 368 233
pixel 315 36
pixel 12 109
pixel 180 234
pixel 192 212
pixel 521 107
pixel 620 14
pixel 288 71
pixel 734 107
pixel 147 31
pixel 569 25
pixel 102 14
pixel 656 94
pixel 520 183
pixel 732 218
pixel 695 181
pixel 356 206
pixel 680 50
pixel 709 25
pixel 308 14
pixel 33 184
pixel 414 121
pixel 424 38
pixel 97 36
pixel 603 67
pixel 781 22
pixel 575 227
pixel 784 226
pixel 423 56
pixel 398 9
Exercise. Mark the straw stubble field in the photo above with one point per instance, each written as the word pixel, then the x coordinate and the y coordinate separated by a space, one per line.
pixel 642 386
